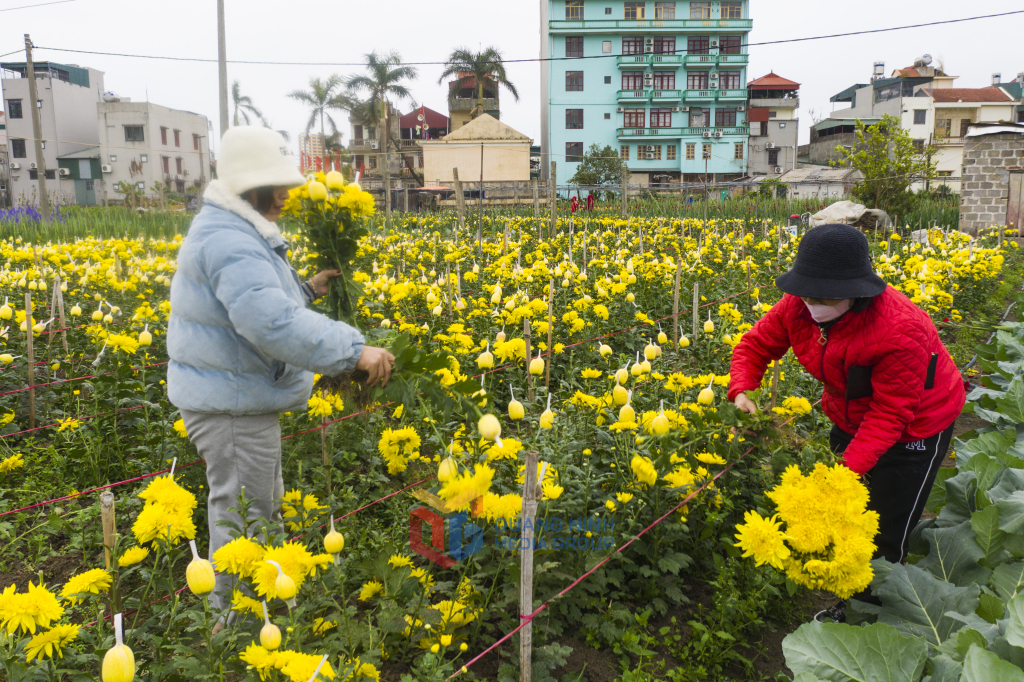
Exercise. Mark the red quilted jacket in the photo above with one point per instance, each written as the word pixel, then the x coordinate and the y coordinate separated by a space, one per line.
pixel 874 366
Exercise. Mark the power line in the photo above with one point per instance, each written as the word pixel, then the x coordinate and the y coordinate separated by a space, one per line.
pixel 545 59
pixel 42 4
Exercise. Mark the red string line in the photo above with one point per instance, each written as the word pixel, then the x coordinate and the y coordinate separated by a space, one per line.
pixel 89 376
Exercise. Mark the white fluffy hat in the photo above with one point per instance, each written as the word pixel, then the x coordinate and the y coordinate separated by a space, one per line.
pixel 253 156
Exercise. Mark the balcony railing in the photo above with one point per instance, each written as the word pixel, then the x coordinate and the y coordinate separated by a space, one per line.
pixel 467 104
pixel 700 130
pixel 666 61
pixel 627 61
pixel 728 94
pixel 707 60
pixel 695 95
pixel 650 132
pixel 733 59
pixel 650 25
pixel 633 95
pixel 666 95
pixel 948 141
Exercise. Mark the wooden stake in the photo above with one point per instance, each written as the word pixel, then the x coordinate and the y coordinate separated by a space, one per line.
pixel 529 352
pixel 675 305
pixel 748 274
pixel 696 301
pixel 530 495
pixel 551 326
pixel 460 202
pixel 554 202
pixel 31 358
pixel 109 527
pixel 775 383
pixel 536 208
pixel 448 279
pixel 60 314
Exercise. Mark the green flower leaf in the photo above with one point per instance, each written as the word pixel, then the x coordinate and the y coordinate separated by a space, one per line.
pixel 834 652
pixel 985 666
pixel 918 603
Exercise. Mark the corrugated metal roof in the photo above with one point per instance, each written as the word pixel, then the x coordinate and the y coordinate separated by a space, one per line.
pixel 836 122
pixel 819 175
pixel 847 94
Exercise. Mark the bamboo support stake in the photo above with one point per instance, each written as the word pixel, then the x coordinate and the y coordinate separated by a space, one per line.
pixel 553 197
pixel 775 383
pixel 526 565
pixel 748 274
pixel 536 206
pixel 109 527
pixel 448 279
pixel 675 306
pixel 31 359
pixel 551 326
pixel 60 314
pixel 529 352
pixel 696 301
pixel 460 202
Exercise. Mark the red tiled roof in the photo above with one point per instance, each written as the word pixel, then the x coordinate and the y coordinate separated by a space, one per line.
pixel 909 72
pixel 970 95
pixel 772 81
pixel 434 119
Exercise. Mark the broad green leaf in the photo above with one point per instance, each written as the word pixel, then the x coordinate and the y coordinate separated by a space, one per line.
pixel 917 544
pixel 987 534
pixel 957 646
pixel 1011 403
pixel 805 677
pixel 916 602
pixel 937 496
pixel 954 555
pixel 1010 345
pixel 835 652
pixel 960 500
pixel 1007 579
pixel 992 416
pixel 1007 483
pixel 989 443
pixel 1011 513
pixel 1015 621
pixel 945 669
pixel 1006 651
pixel 972 621
pixel 991 608
pixel 985 666
pixel 985 466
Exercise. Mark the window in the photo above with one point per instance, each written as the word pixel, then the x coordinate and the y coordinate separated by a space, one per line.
pixel 573 152
pixel 729 80
pixel 574 46
pixel 773 157
pixel 670 152
pixel 664 45
pixel 606 46
pixel 607 10
pixel 177 138
pixel 373 162
pixel 50 175
pixel 134 134
pixel 920 117
pixel 705 151
pixel 773 114
pixel 141 185
pixel 574 9
pixel 661 118
pixel 166 162
pixel 607 117
pixel 113 158
pixel 89 186
pixel 732 10
pixel 944 174
pixel 945 126
pixel 163 135
pixel 730 45
pixel 691 151
pixel 965 125
pixel 574 81
pixel 607 80
pixel 700 10
pixel 143 158
pixel 14 108
pixel 632 46
pixel 624 152
pixel 738 150
pixel 195 142
pixel 664 10
pixel 632 80
pixel 634 118
pixel 636 10
pixel 700 118
pixel 664 81
pixel 918 145
pixel 574 119
pixel 177 163
pixel 18 149
pixel 725 117
pixel 697 80
pixel 697 45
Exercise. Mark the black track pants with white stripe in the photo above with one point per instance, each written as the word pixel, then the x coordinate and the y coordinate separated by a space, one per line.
pixel 899 485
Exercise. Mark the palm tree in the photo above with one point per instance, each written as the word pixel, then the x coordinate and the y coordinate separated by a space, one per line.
pixel 322 97
pixel 483 69
pixel 244 106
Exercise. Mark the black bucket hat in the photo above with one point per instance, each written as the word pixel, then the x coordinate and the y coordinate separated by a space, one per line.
pixel 833 262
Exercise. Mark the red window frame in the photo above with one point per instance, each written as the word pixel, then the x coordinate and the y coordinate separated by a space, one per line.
pixel 634 118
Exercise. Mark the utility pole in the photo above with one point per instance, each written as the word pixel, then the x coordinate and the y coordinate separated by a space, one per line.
pixel 222 63
pixel 37 132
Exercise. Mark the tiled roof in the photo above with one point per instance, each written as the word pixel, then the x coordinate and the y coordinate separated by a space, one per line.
pixel 970 95
pixel 772 81
pixel 908 72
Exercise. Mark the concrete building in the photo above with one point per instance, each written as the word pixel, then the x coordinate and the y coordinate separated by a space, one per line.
pixel 461 102
pixel 662 83
pixel 993 177
pixel 5 181
pixel 67 99
pixel 506 153
pixel 774 124
pixel 145 145
pixel 930 109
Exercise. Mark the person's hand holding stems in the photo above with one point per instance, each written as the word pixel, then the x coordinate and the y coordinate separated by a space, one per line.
pixel 745 404
pixel 377 363
pixel 321 280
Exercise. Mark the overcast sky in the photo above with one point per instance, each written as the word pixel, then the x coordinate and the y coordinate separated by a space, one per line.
pixel 338 32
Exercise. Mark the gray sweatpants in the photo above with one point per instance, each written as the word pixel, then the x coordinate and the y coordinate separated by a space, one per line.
pixel 239 451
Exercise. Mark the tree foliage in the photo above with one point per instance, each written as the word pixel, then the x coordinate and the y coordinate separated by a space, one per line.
pixel 481 69
pixel 599 167
pixel 890 162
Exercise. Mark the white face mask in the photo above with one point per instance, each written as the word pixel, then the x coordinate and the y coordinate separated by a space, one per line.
pixel 827 313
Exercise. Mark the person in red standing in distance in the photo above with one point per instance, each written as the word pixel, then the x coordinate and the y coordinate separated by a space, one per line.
pixel 574 205
pixel 891 388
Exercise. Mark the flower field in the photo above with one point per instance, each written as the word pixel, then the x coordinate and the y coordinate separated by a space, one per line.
pixel 603 352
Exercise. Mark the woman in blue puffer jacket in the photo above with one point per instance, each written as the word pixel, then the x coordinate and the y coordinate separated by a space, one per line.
pixel 243 346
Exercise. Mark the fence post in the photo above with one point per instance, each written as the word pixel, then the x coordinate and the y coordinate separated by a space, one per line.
pixel 31 359
pixel 60 314
pixel 675 304
pixel 551 326
pixel 536 207
pixel 775 383
pixel 529 352
pixel 526 565
pixel 625 189
pixel 460 201
pixel 696 301
pixel 553 196
pixel 109 527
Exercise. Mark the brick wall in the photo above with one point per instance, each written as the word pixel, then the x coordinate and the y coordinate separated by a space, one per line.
pixel 988 160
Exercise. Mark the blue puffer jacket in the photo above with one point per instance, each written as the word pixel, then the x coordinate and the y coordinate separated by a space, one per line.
pixel 240 338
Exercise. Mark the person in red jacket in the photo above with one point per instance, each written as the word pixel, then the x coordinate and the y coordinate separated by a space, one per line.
pixel 891 388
